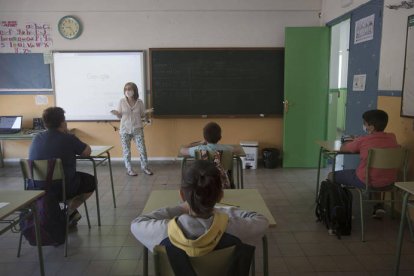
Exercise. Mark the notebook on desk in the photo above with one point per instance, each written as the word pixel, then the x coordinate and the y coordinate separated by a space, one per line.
pixel 10 124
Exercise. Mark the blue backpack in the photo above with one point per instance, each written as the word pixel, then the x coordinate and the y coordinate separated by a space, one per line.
pixel 52 219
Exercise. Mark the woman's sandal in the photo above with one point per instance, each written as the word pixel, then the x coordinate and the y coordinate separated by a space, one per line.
pixel 131 173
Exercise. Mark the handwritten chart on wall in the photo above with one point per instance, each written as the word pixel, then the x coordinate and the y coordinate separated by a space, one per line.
pixel 407 104
pixel 88 85
pixel 217 82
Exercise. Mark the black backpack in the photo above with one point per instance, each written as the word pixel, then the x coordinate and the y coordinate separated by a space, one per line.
pixel 334 208
pixel 52 219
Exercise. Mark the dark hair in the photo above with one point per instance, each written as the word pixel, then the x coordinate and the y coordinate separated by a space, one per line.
pixel 201 186
pixel 212 132
pixel 134 88
pixel 377 118
pixel 53 117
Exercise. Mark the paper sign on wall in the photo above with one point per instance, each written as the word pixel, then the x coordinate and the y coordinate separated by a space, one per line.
pixel 358 84
pixel 364 29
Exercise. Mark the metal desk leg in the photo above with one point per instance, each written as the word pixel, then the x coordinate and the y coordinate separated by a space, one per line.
pixel 265 256
pixel 319 174
pixel 112 179
pixel 96 191
pixel 240 171
pixel 401 233
pixel 183 164
pixel 38 239
pixel 145 262
pixel 1 155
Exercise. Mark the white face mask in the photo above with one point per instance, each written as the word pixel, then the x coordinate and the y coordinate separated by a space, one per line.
pixel 129 93
pixel 365 128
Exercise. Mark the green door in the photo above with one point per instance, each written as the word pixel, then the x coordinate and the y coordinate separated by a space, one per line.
pixel 306 94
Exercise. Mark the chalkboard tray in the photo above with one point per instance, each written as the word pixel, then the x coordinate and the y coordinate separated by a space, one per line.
pixel 217 82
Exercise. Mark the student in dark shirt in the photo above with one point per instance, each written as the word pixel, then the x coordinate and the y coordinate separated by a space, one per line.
pixel 57 142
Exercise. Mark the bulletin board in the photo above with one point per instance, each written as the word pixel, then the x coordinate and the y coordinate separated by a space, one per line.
pixel 407 99
pixel 24 73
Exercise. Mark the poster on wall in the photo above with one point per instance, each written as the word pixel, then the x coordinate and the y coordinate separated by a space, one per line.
pixel 407 99
pixel 23 37
pixel 364 29
pixel 358 83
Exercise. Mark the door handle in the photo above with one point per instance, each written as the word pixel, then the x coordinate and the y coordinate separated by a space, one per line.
pixel 286 106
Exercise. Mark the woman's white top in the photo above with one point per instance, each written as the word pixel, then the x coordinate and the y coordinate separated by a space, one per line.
pixel 131 117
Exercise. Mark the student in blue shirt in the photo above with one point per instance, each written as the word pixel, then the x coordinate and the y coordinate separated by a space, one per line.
pixel 57 142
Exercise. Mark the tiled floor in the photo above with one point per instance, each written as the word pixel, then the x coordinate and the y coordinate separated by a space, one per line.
pixel 297 245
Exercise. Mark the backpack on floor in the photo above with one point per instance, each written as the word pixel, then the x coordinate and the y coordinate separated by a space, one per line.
pixel 52 219
pixel 334 208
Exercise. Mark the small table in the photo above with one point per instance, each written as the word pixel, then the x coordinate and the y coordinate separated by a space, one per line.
pixel 22 135
pixel 100 154
pixel 408 189
pixel 330 149
pixel 18 200
pixel 247 199
pixel 237 153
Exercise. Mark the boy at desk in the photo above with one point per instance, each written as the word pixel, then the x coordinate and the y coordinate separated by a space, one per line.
pixel 57 142
pixel 197 226
pixel 212 135
pixel 374 123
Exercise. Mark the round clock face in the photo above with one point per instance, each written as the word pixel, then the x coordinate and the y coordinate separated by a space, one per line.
pixel 69 27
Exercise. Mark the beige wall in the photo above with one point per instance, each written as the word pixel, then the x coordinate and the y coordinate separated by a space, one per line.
pixel 163 137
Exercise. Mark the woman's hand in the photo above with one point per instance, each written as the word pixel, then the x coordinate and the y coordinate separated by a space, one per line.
pixel 116 113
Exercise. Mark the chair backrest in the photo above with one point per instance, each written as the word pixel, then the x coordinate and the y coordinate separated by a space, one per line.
pixel 226 158
pixel 387 158
pixel 40 172
pixel 215 263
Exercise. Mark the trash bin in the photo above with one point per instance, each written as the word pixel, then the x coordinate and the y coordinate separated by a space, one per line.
pixel 250 149
pixel 271 157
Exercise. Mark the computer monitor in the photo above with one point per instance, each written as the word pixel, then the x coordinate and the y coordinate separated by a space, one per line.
pixel 10 124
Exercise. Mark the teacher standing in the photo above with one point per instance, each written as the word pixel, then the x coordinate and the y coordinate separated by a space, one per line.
pixel 131 111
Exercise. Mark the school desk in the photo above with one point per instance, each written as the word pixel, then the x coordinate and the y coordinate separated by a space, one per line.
pixel 408 190
pixel 98 156
pixel 16 201
pixel 329 149
pixel 238 152
pixel 22 135
pixel 246 199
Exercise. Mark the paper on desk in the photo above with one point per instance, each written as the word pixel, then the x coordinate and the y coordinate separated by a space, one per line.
pixel 3 204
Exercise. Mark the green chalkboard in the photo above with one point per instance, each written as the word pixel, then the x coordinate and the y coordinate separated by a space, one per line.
pixel 217 82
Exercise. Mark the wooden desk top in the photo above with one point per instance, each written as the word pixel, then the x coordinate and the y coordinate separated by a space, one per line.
pixel 406 186
pixel 22 135
pixel 16 200
pixel 246 199
pixel 238 151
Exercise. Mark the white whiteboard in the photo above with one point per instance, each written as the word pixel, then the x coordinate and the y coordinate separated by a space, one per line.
pixel 88 85
pixel 407 101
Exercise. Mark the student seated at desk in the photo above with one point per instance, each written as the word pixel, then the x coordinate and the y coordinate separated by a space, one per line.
pixel 57 142
pixel 196 226
pixel 374 123
pixel 212 135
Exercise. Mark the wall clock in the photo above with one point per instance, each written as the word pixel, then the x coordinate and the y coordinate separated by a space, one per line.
pixel 70 27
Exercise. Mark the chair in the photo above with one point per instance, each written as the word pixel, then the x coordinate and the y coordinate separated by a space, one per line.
pixel 40 174
pixel 215 263
pixel 227 164
pixel 381 158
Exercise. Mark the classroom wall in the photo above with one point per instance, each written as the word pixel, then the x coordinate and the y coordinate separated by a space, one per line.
pixel 391 69
pixel 140 25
